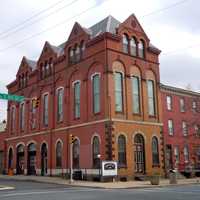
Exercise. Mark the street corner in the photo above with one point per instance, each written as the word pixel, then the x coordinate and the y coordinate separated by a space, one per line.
pixel 6 187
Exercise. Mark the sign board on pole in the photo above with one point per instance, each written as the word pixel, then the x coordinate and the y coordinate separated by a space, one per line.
pixel 109 168
pixel 12 97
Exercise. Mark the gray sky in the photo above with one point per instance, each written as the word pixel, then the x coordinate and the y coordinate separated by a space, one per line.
pixel 172 26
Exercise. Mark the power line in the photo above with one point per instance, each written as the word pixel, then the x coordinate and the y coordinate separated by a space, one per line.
pixel 165 8
pixel 50 28
pixel 33 16
pixel 37 20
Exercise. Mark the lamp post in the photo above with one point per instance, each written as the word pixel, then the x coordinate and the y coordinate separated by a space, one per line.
pixel 99 159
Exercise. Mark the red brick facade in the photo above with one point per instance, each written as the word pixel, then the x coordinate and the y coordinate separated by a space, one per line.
pixel 101 52
pixel 179 139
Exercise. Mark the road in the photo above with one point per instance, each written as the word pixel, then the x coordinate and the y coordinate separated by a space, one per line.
pixel 41 191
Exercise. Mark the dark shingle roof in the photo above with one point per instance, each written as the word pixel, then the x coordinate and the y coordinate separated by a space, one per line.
pixel 109 24
pixel 31 63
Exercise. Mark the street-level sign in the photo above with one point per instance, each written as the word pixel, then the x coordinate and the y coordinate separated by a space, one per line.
pixel 11 97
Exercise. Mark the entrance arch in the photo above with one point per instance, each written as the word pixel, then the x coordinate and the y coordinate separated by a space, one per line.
pixel 10 158
pixel 20 159
pixel 139 153
pixel 31 164
pixel 44 159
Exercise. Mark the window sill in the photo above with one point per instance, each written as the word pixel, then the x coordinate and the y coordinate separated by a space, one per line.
pixel 137 114
pixel 152 116
pixel 156 165
pixel 96 114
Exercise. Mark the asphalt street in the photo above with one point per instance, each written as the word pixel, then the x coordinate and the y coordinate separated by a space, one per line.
pixel 41 191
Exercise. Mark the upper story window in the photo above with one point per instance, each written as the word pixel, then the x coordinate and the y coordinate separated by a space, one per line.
pixel 82 47
pixel 182 105
pixel 151 97
pixel 194 106
pixel 12 115
pixel 135 94
pixel 60 94
pixel 96 93
pixel 125 42
pixel 133 46
pixel 21 116
pixel 33 113
pixel 77 99
pixel 197 130
pixel 186 153
pixel 118 92
pixel 77 53
pixel 170 127
pixel 184 128
pixel 141 48
pixel 169 102
pixel 23 80
pixel 45 109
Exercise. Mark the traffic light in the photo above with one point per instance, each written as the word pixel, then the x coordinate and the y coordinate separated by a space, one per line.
pixel 36 102
pixel 71 139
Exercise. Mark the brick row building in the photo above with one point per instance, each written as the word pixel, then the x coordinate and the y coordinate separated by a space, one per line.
pixel 102 86
pixel 181 120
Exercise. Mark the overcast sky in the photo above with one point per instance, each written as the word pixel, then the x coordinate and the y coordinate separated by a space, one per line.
pixel 172 26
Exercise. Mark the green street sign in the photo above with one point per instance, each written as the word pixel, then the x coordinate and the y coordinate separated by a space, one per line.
pixel 11 97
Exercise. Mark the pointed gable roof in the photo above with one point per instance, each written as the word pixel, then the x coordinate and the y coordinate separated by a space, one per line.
pixel 109 24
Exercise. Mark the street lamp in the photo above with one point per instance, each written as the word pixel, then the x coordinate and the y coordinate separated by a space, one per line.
pixel 99 159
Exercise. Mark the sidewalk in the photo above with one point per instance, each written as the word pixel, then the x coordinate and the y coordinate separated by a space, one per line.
pixel 111 185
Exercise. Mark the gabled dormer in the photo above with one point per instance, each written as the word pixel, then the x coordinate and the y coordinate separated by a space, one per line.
pixel 75 45
pixel 25 68
pixel 48 55
pixel 135 41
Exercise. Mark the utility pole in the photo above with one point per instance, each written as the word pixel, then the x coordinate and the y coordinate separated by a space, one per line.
pixel 71 141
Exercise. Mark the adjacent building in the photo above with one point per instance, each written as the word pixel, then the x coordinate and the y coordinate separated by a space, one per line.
pixel 103 86
pixel 181 119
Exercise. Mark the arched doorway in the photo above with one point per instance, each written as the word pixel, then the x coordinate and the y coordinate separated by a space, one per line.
pixel 31 164
pixel 44 159
pixel 10 159
pixel 76 153
pixel 20 159
pixel 139 153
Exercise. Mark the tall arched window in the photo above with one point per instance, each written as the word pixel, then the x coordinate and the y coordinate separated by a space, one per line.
pixel 125 42
pixel 155 151
pixel 96 152
pixel 118 92
pixel 12 119
pixel 141 48
pixel 133 46
pixel 77 95
pixel 60 93
pixel 76 154
pixel 71 55
pixel 82 47
pixel 77 53
pixel 10 159
pixel 59 155
pixel 96 93
pixel 122 151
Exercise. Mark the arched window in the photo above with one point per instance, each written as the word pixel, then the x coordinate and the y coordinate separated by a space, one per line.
pixel 82 47
pixel 50 66
pixel 155 151
pixel 77 53
pixel 122 151
pixel 96 93
pixel 77 96
pixel 60 94
pixel 76 153
pixel 71 55
pixel 13 119
pixel 10 159
pixel 59 155
pixel 96 152
pixel 133 46
pixel 141 48
pixel 118 92
pixel 125 42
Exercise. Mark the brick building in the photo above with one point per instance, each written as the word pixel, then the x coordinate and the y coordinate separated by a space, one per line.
pixel 102 86
pixel 3 136
pixel 181 119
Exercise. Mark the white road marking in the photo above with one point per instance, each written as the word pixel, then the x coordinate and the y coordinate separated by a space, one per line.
pixel 48 192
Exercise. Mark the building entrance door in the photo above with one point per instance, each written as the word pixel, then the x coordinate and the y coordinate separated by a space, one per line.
pixel 20 160
pixel 44 160
pixel 169 162
pixel 31 164
pixel 139 153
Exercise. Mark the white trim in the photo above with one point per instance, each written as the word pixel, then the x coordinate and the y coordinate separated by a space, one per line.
pixel 119 71
pixel 31 141
pixel 121 133
pixel 76 81
pixel 61 87
pixel 94 74
pixel 10 147
pixel 139 133
pixel 20 143
pixel 59 140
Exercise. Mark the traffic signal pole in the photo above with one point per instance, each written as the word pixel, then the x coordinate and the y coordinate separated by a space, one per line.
pixel 71 163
